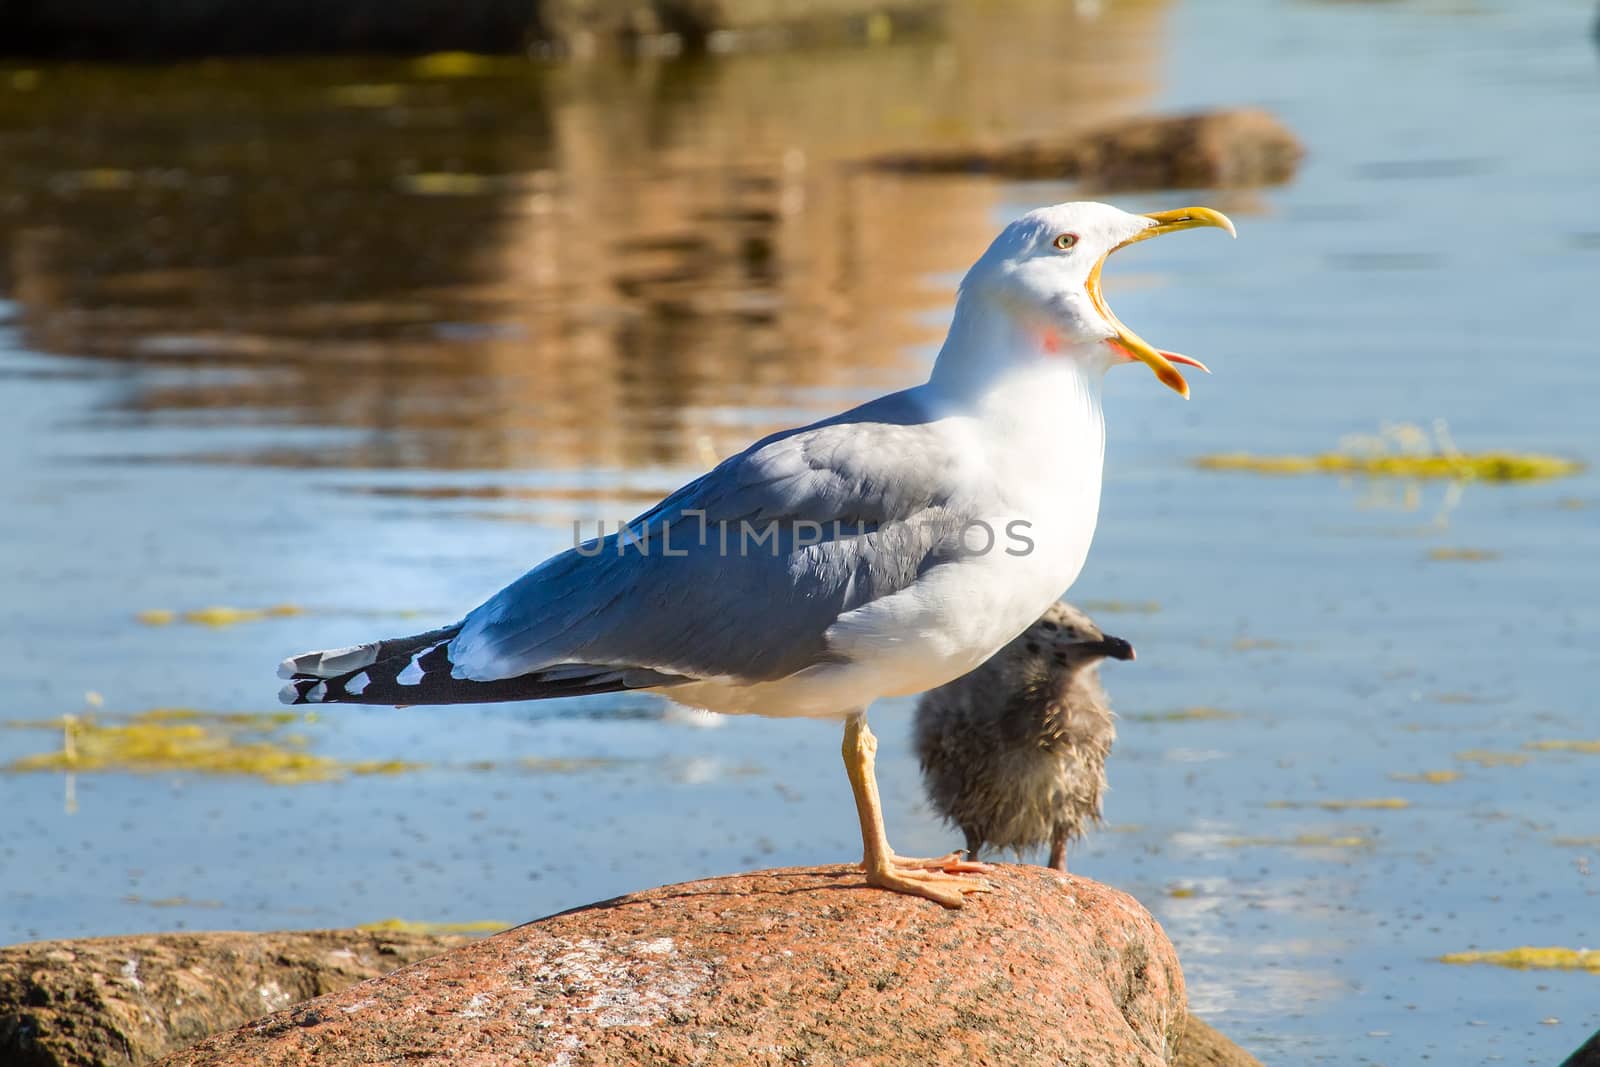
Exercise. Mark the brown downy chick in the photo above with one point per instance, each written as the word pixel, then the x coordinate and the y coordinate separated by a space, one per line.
pixel 1014 752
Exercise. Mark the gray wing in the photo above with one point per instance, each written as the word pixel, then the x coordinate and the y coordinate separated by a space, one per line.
pixel 719 580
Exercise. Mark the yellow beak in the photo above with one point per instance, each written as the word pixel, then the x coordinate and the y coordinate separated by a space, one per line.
pixel 1187 218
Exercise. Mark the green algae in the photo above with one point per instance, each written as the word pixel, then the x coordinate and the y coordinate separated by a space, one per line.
pixel 1528 958
pixel 1428 777
pixel 1255 644
pixel 1402 450
pixel 239 744
pixel 1462 555
pixel 566 764
pixel 1453 466
pixel 1362 804
pixel 170 902
pixel 218 617
pixel 1484 757
pixel 1198 713
pixel 1120 607
pixel 409 926
pixel 1301 841
pixel 1589 747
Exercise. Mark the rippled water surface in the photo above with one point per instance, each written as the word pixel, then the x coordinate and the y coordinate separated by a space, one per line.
pixel 364 340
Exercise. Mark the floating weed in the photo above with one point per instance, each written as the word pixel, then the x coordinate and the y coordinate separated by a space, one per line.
pixel 1576 842
pixel 1462 555
pixel 100 179
pixel 1458 466
pixel 1527 958
pixel 1199 713
pixel 1182 892
pixel 244 744
pixel 170 902
pixel 1484 757
pixel 218 617
pixel 566 764
pixel 1591 747
pixel 1301 841
pixel 384 766
pixel 1363 804
pixel 366 95
pixel 231 616
pixel 1403 450
pixel 444 183
pixel 458 65
pixel 410 926
pixel 1428 777
pixel 1120 607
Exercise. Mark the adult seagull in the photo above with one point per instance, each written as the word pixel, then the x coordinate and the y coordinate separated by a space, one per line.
pixel 880 552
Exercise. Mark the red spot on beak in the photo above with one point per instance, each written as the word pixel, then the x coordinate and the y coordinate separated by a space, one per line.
pixel 1051 341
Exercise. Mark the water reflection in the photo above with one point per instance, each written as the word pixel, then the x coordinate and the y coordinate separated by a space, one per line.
pixel 528 266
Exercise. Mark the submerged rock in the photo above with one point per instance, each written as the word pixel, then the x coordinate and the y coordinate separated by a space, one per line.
pixel 787 966
pixel 131 1000
pixel 1230 147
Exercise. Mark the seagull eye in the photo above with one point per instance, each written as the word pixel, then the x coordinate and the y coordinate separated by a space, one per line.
pixel 1066 240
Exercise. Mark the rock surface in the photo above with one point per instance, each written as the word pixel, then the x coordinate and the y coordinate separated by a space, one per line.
pixel 802 965
pixel 1231 147
pixel 1203 1046
pixel 130 1000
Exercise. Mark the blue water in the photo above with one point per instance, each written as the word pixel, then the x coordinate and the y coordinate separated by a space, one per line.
pixel 205 411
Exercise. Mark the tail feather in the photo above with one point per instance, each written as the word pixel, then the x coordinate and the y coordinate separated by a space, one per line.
pixel 418 670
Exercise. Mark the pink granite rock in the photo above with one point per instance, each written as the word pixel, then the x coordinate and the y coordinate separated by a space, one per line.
pixel 792 966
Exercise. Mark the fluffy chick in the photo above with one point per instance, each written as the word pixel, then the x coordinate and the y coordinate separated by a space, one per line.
pixel 1014 752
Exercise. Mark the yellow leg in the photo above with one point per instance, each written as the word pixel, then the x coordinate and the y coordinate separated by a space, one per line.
pixel 923 878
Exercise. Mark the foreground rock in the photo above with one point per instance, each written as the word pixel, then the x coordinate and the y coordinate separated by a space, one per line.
pixel 777 967
pixel 1235 147
pixel 131 1000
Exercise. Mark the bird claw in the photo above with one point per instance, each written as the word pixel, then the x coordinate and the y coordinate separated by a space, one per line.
pixel 947 889
pixel 951 863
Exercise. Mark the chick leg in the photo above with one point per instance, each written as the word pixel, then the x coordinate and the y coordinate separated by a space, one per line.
pixel 1058 849
pixel 885 870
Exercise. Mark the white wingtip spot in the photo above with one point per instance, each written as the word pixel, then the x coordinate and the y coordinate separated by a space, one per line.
pixel 317 693
pixel 289 694
pixel 412 675
pixel 357 685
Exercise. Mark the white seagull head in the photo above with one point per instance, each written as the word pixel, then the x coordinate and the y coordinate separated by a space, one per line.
pixel 1043 274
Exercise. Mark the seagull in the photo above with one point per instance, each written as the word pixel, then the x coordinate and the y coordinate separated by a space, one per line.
pixel 877 553
pixel 1014 753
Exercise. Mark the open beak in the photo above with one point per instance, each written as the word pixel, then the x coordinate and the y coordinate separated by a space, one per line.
pixel 1130 344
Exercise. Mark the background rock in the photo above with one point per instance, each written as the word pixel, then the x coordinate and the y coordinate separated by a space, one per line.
pixel 121 29
pixel 1203 1046
pixel 130 1000
pixel 787 966
pixel 1230 147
